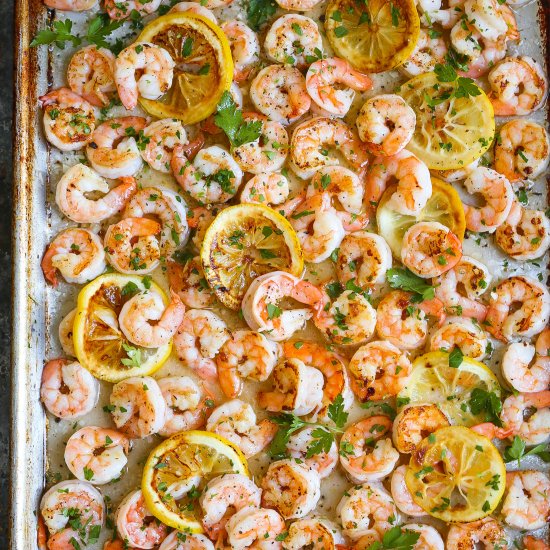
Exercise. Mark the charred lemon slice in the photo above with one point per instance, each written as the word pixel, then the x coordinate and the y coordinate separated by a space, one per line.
pixel 456 475
pixel 100 345
pixel 204 66
pixel 244 242
pixel 179 467
pixel 373 36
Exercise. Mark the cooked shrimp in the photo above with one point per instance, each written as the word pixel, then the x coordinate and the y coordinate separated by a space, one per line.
pixel 386 124
pixel 271 189
pixel 430 249
pixel 198 340
pixel 90 74
pixel 143 69
pixel 379 370
pixel 461 333
pixel 292 39
pixel 536 428
pixel 401 494
pixel 66 333
pixel 189 282
pixel 459 174
pixel 68 390
pixel 138 408
pixel 113 151
pixel 245 47
pixel 70 5
pixel 223 496
pixel 255 528
pixel 414 423
pixel 365 453
pixel 506 321
pixel 314 533
pixel 194 7
pixel 525 235
pixel 323 463
pixel 532 543
pixel 97 454
pixel 468 536
pixel 212 177
pixel 179 540
pixel 132 246
pixel 236 421
pixel 428 52
pixel 78 255
pixel 365 508
pixel 160 138
pixel 266 292
pixel 69 120
pixel 414 185
pixel 497 194
pixel 519 369
pixel 245 355
pixel 136 525
pixel 297 5
pixel 518 86
pixel 429 539
pixel 487 18
pixel 292 489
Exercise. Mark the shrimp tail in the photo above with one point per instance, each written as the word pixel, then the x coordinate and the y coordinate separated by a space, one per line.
pixel 50 272
pixel 491 431
pixel 41 534
pixel 531 543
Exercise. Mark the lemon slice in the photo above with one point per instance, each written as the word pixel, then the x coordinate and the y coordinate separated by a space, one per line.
pixel 432 380
pixel 204 66
pixel 99 344
pixel 373 36
pixel 244 242
pixel 174 469
pixel 456 475
pixel 451 132
pixel 444 206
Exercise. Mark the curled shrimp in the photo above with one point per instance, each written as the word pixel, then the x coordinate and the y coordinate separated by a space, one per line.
pixel 271 189
pixel 143 69
pixel 488 18
pixel 314 533
pixel 428 52
pixel 68 390
pixel 532 543
pixel 401 494
pixel 69 120
pixel 255 528
pixel 97 454
pixel 189 282
pixel 536 428
pixel 245 47
pixel 462 333
pixel 486 531
pixel 160 138
pixel 77 254
pixel 323 463
pixel 70 5
pixel 194 7
pixel 297 5
pixel 65 333
pixel 179 540
pixel 429 538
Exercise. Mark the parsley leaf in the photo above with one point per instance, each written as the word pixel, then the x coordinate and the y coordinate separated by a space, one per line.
pixel 60 33
pixel 99 28
pixel 445 73
pixel 407 280
pixel 134 356
pixel 487 402
pixel 396 538
pixel 322 441
pixel 455 358
pixel 258 12
pixel 230 119
pixel 516 451
pixel 337 413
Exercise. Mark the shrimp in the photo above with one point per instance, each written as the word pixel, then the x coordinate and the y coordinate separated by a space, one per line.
pixel 525 235
pixel 297 388
pixel 266 292
pixel 297 5
pixel 535 429
pixel 136 525
pixel 506 321
pixel 179 540
pixel 379 370
pixel 185 407
pixel 414 185
pixel 468 536
pixel 169 208
pixel 189 282
pixel 138 407
pixel 97 454
pixel 401 494
pixel 311 140
pixel 245 47
pixel 526 505
pixel 497 194
pixel 462 333
pixel 148 322
pixel 459 174
pixel 268 152
pixel 365 453
pixel 386 124
pixel 521 150
pixel 414 423
pixel 324 81
pixel 132 246
pixel 429 539
pixel 113 150
pixel 323 463
pixel 90 74
pixel 160 138
pixel 194 7
pixel 487 17
pixel 292 39
pixel 69 120
pixel 428 52
pixel 223 496
pixel 518 86
pixel 143 69
pixel 314 533
pixel 430 249
pixel 271 189
pixel 365 508
pixel 70 5
pixel 245 355
pixel 68 390
pixel 78 255
pixel 292 489
pixel 212 177
pixel 532 543
pixel 256 528
pixel 66 333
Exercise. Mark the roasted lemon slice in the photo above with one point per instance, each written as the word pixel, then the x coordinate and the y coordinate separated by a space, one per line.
pixel 177 468
pixel 456 475
pixel 444 206
pixel 244 242
pixel 373 36
pixel 453 128
pixel 99 344
pixel 434 380
pixel 204 66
